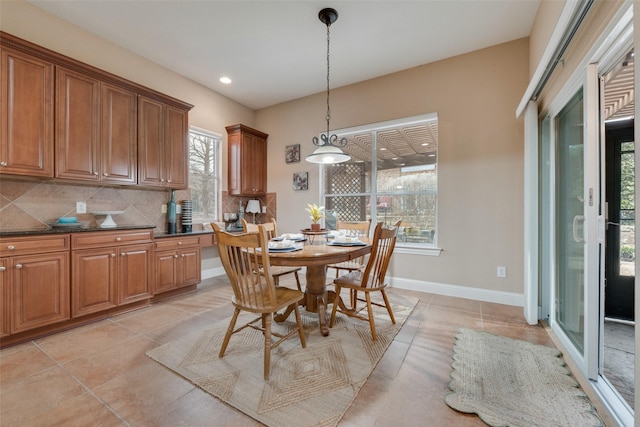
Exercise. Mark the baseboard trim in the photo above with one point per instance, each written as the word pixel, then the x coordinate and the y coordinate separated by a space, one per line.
pixel 478 294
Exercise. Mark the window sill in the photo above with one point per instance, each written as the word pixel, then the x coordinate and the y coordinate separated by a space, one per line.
pixel 403 248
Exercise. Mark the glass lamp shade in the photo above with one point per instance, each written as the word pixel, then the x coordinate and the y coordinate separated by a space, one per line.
pixel 253 206
pixel 327 154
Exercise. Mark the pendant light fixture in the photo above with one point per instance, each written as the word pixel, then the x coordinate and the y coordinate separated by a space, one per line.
pixel 328 150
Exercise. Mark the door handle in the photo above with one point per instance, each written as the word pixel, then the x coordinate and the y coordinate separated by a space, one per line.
pixel 576 219
pixel 613 223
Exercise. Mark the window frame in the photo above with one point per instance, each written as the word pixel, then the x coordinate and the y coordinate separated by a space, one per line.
pixel 217 175
pixel 431 249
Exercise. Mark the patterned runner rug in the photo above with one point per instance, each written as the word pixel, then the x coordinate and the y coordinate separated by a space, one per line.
pixel 307 387
pixel 510 382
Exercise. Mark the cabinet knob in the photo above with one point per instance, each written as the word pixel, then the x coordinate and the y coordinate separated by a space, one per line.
pixel 3 268
pixel 96 173
pixel 105 174
pixel 179 243
pixel 18 266
pixel 123 254
pixel 11 247
pixel 3 163
pixel 118 239
pixel 113 255
pixel 182 255
pixel 175 256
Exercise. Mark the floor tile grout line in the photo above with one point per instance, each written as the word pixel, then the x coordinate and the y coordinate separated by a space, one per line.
pixel 83 385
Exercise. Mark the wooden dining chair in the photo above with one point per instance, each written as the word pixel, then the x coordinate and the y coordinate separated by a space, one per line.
pixel 358 229
pixel 241 254
pixel 272 231
pixel 372 279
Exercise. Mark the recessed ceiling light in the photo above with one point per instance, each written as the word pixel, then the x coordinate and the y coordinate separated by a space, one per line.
pixel 225 80
pixel 432 155
pixel 383 149
pixel 424 144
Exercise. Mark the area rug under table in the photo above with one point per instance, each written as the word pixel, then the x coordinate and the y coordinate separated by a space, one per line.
pixel 509 382
pixel 313 386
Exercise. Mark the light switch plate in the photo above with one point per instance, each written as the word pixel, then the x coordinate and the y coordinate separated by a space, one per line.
pixel 81 207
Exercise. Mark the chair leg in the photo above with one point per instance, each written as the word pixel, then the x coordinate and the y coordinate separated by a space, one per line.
pixel 303 341
pixel 266 321
pixel 335 306
pixel 232 324
pixel 370 312
pixel 388 306
pixel 298 281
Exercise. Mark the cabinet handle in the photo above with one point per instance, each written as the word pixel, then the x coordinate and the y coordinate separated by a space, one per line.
pixel 3 268
pixel 118 239
pixel 18 266
pixel 3 163
pixel 11 247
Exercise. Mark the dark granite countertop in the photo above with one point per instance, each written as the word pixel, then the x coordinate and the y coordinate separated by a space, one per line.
pixel 162 235
pixel 63 230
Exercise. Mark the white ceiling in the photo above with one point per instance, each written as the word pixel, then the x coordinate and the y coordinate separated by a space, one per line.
pixel 275 51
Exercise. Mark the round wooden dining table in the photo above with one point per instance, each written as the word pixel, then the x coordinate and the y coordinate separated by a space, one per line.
pixel 316 257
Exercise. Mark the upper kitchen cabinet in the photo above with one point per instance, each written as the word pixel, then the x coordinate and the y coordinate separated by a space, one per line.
pixel 98 124
pixel 96 127
pixel 26 128
pixel 162 144
pixel 247 156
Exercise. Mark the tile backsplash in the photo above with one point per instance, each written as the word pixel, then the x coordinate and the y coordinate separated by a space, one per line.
pixel 31 205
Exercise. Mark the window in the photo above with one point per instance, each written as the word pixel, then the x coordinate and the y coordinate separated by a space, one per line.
pixel 204 181
pixel 400 185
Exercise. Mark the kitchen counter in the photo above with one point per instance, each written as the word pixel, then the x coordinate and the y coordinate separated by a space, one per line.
pixel 63 230
pixel 162 235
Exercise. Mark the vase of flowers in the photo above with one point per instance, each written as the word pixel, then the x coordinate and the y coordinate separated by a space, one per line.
pixel 316 213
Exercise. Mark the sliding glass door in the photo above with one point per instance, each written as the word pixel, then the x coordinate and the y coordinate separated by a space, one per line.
pixel 570 217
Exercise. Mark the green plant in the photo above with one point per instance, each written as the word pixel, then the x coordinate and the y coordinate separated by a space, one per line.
pixel 315 212
pixel 627 253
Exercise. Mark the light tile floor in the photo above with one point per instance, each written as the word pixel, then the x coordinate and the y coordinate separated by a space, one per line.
pixel 99 375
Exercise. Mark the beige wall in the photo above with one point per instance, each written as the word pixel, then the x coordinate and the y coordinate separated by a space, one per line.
pixel 480 179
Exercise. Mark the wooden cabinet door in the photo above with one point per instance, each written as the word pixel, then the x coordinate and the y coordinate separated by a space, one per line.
pixel 260 166
pixel 247 161
pixel 176 130
pixel 166 271
pixel 135 275
pixel 150 142
pixel 26 128
pixel 5 307
pixel 119 131
pixel 190 266
pixel 77 125
pixel 40 290
pixel 93 281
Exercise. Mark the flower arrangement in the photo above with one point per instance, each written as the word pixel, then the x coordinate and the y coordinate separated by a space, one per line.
pixel 315 212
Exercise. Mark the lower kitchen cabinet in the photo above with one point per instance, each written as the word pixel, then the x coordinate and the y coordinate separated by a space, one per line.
pixel 35 282
pixel 115 269
pixel 177 263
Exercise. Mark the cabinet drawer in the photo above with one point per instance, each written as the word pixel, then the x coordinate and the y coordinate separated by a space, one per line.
pixel 109 238
pixel 33 245
pixel 177 242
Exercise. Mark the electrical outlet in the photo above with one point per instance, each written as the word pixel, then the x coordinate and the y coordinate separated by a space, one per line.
pixel 502 271
pixel 81 207
pixel 164 208
pixel 264 209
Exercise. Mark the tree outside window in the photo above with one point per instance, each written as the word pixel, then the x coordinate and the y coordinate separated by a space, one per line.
pixel 203 174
